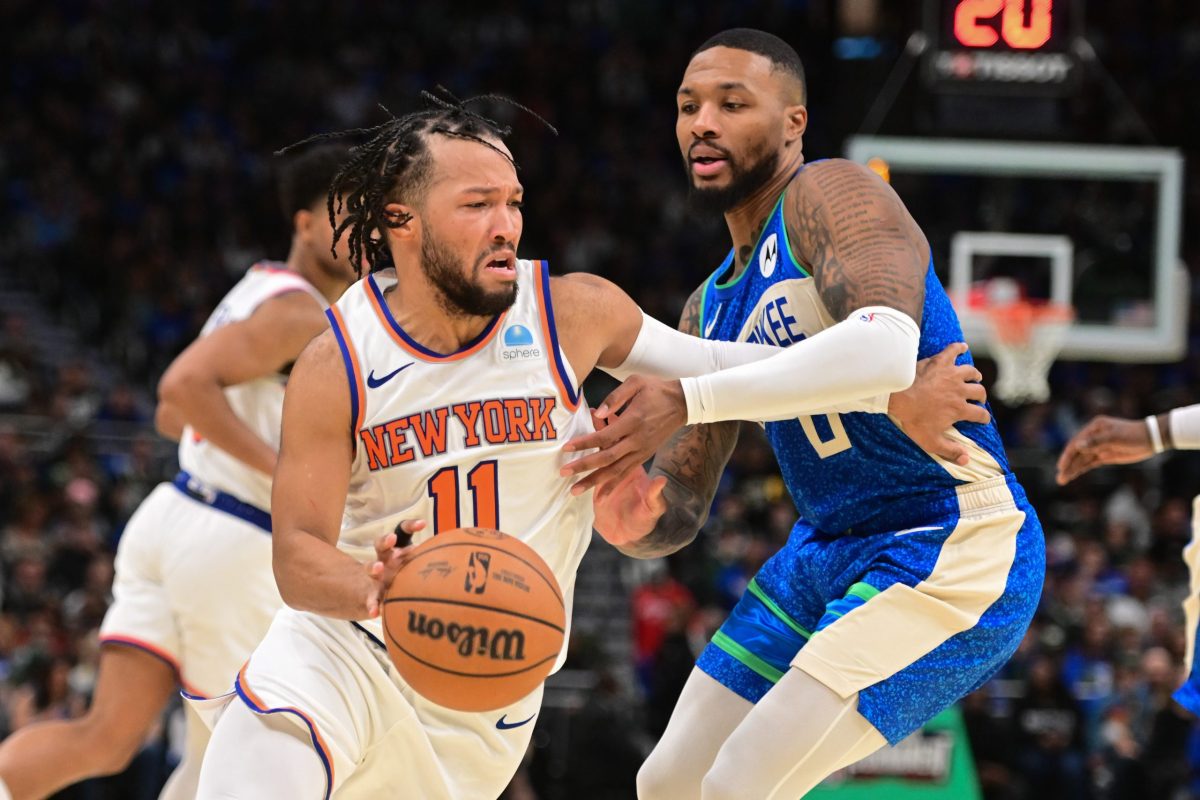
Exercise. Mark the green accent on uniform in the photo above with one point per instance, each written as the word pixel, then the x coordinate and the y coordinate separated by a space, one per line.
pixel 746 657
pixel 761 233
pixel 757 591
pixel 865 591
pixel 787 247
pixel 703 305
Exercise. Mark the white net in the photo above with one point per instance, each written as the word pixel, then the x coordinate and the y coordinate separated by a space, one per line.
pixel 1024 339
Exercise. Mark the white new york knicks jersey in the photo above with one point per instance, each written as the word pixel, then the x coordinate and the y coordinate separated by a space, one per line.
pixel 470 438
pixel 257 403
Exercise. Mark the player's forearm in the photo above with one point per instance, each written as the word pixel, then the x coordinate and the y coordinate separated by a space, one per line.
pixel 872 352
pixel 168 421
pixel 687 510
pixel 314 575
pixel 663 352
pixel 203 405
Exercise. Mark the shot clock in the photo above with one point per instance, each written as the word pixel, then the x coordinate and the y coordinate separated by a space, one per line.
pixel 1002 46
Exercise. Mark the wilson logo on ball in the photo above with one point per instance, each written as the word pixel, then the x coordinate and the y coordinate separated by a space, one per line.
pixel 504 644
pixel 477 572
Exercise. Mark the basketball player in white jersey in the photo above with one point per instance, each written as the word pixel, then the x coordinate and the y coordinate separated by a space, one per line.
pixel 194 591
pixel 440 398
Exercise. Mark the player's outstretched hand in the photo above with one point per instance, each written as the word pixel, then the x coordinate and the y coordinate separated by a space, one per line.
pixel 1104 440
pixel 640 415
pixel 392 551
pixel 942 394
pixel 629 509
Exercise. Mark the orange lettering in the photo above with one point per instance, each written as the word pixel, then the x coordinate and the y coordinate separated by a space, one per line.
pixel 401 452
pixel 493 422
pixel 430 427
pixel 375 446
pixel 543 426
pixel 468 415
pixel 518 420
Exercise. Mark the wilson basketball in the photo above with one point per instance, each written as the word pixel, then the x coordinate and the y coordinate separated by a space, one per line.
pixel 475 620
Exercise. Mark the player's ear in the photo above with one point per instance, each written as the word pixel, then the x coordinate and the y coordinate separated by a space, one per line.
pixel 302 221
pixel 795 122
pixel 401 220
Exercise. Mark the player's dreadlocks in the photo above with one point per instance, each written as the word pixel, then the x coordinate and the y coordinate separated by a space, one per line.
pixel 394 164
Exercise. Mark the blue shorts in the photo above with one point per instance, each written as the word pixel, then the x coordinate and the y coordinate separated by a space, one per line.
pixel 1188 695
pixel 910 620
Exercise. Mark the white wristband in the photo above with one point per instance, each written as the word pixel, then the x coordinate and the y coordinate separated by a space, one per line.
pixel 1156 442
pixel 1185 428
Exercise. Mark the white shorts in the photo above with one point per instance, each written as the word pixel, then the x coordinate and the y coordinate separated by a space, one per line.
pixel 375 735
pixel 193 587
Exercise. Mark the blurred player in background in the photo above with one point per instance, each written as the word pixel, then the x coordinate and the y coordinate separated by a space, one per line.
pixel 194 592
pixel 399 391
pixel 1109 440
pixel 909 579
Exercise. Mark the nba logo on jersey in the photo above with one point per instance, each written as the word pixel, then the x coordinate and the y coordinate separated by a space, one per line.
pixel 518 344
pixel 768 256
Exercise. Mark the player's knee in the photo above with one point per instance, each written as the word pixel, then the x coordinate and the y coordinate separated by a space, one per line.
pixel 722 784
pixel 653 783
pixel 662 778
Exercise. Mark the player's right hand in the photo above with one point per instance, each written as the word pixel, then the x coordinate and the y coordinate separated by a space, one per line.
pixel 1104 440
pixel 942 394
pixel 392 551
pixel 628 510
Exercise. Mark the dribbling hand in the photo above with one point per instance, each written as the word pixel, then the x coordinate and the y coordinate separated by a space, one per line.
pixel 392 551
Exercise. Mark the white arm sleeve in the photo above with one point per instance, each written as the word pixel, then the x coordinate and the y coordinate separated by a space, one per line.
pixel 871 352
pixel 663 352
pixel 1185 427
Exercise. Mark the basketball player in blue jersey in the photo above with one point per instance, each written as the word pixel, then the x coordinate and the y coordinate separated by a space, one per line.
pixel 909 578
pixel 1109 440
pixel 193 591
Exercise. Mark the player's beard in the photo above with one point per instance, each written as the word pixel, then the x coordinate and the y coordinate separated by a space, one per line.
pixel 458 294
pixel 743 182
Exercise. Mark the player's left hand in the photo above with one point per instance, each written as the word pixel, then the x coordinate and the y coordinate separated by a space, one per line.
pixel 1104 440
pixel 392 551
pixel 942 394
pixel 638 416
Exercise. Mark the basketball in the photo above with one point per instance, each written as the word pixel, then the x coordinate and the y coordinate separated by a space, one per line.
pixel 475 620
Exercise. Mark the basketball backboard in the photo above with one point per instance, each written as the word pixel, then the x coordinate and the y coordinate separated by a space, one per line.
pixel 1094 226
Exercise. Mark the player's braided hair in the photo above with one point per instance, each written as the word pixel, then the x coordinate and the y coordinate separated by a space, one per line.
pixel 394 164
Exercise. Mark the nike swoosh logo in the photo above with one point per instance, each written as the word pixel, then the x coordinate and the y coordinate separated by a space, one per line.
pixel 918 530
pixel 712 323
pixel 504 726
pixel 375 383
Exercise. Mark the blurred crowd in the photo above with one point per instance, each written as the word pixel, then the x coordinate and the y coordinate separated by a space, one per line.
pixel 135 164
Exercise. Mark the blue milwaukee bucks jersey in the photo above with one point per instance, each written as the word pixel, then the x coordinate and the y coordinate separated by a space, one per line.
pixel 852 471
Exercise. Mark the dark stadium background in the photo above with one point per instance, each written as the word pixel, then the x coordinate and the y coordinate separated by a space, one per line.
pixel 135 164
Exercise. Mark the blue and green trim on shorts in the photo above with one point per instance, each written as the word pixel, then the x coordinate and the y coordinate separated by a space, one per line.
pixel 762 637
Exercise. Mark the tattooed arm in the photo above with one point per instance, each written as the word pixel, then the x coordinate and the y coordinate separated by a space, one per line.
pixel 648 516
pixel 860 241
pixel 869 261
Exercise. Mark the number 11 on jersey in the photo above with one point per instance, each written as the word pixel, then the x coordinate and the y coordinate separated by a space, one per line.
pixel 484 485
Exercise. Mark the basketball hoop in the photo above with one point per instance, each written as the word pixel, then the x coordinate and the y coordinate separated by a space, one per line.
pixel 1024 337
